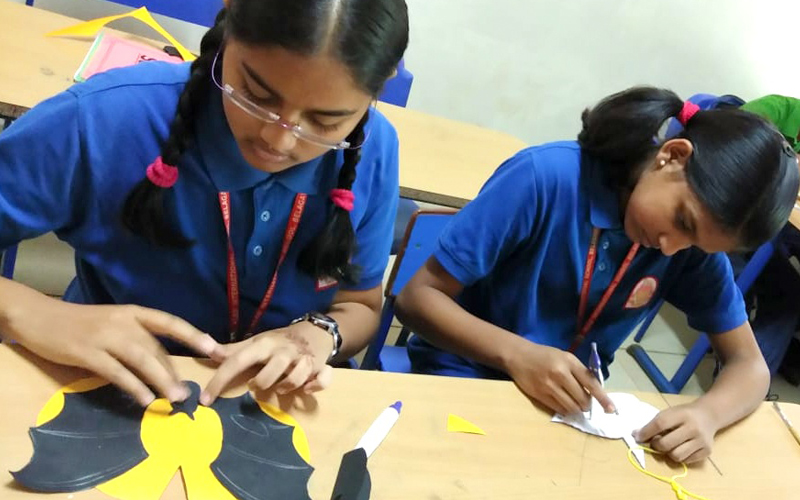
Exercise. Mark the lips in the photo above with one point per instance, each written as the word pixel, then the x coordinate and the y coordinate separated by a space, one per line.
pixel 268 154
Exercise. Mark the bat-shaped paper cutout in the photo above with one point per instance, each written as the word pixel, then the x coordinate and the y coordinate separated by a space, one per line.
pixel 90 434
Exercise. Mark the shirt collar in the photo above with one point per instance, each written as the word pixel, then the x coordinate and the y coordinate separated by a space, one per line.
pixel 229 171
pixel 604 207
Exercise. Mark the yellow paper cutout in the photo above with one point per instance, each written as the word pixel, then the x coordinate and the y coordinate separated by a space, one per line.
pixel 173 442
pixel 91 28
pixel 458 424
pixel 680 492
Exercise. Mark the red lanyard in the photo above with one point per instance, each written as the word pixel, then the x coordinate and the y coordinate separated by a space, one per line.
pixel 583 329
pixel 233 276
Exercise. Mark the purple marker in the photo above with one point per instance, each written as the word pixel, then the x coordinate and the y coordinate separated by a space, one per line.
pixel 380 428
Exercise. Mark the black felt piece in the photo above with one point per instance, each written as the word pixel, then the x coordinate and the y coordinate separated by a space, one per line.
pixel 96 437
pixel 258 460
pixel 353 481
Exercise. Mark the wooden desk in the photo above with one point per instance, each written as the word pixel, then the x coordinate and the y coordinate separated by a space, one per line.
pixel 523 454
pixel 441 161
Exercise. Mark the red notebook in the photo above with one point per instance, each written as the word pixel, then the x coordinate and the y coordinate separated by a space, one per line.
pixel 110 51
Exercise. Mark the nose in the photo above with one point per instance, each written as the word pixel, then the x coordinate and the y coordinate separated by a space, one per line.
pixel 670 244
pixel 279 136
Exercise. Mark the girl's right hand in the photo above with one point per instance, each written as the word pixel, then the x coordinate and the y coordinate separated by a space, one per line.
pixel 556 379
pixel 114 341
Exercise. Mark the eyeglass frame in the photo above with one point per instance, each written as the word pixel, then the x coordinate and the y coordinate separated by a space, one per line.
pixel 272 118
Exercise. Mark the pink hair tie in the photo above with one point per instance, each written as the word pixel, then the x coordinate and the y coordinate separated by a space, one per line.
pixel 343 198
pixel 161 174
pixel 688 111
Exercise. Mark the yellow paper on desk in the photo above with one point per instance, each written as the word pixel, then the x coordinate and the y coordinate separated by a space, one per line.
pixel 91 28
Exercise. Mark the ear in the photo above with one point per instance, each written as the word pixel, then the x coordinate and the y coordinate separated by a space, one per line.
pixel 674 154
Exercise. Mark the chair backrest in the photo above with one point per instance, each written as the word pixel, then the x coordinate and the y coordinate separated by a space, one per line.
pixel 422 234
pixel 200 12
pixel 397 88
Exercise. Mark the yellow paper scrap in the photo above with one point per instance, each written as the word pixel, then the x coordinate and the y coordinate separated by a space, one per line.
pixel 458 424
pixel 91 28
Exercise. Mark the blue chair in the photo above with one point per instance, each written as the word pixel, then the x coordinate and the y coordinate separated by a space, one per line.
pixel 397 88
pixel 419 243
pixel 396 91
pixel 200 12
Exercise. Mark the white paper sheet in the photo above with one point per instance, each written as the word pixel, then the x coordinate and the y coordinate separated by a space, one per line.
pixel 633 414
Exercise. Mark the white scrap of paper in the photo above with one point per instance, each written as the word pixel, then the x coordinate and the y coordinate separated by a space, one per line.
pixel 633 414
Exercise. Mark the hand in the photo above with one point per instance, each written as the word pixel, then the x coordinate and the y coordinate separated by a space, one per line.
pixel 293 357
pixel 115 342
pixel 556 378
pixel 684 433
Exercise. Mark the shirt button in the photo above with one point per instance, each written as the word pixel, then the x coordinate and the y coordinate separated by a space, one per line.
pixel 601 267
pixel 257 250
pixel 605 245
pixel 265 215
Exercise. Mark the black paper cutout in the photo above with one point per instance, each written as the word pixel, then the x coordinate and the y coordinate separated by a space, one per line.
pixel 96 438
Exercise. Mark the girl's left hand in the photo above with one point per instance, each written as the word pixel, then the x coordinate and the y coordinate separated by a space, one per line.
pixel 291 358
pixel 684 433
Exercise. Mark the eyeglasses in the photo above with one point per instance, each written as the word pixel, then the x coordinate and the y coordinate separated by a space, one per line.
pixel 270 117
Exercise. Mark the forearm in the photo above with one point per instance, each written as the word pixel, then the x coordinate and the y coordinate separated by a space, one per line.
pixel 357 324
pixel 16 301
pixel 738 390
pixel 437 318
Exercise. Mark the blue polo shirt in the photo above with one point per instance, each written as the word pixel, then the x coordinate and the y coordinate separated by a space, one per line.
pixel 519 249
pixel 68 165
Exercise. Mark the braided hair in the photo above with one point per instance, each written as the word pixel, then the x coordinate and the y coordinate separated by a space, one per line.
pixel 143 212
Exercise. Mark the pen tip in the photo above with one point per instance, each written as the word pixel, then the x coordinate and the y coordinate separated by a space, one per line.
pixel 397 406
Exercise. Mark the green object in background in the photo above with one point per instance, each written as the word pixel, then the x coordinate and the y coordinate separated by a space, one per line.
pixel 783 112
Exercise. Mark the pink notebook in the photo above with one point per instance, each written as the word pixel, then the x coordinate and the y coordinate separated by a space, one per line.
pixel 109 51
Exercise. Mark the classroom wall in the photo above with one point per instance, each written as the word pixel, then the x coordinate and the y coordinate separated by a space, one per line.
pixel 528 67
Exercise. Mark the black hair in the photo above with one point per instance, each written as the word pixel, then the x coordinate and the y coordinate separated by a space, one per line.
pixel 741 168
pixel 368 36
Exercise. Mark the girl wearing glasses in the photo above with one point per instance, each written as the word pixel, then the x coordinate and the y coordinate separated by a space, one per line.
pixel 572 243
pixel 249 195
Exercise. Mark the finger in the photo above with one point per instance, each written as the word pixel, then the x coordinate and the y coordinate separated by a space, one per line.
pixel 231 368
pixel 553 404
pixel 109 368
pixel 663 422
pixel 177 329
pixel 685 450
pixel 297 376
pixel 321 381
pixel 225 351
pixel 588 381
pixel 564 400
pixel 576 392
pixel 148 359
pixel 699 455
pixel 278 364
pixel 670 440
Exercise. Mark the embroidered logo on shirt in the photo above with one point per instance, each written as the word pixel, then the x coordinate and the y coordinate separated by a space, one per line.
pixel 642 293
pixel 326 283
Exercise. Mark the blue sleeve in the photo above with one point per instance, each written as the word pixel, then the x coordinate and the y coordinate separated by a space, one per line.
pixel 40 157
pixel 707 293
pixel 491 226
pixel 375 225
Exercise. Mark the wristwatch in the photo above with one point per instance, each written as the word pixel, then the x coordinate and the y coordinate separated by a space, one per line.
pixel 326 323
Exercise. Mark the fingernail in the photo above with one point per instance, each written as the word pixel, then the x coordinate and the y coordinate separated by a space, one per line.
pixel 635 435
pixel 205 399
pixel 145 402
